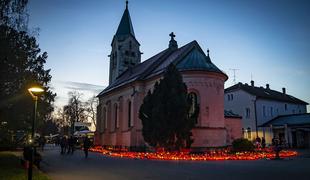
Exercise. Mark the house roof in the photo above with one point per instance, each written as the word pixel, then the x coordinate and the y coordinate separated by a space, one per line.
pixel 265 93
pixel 157 64
pixel 290 120
pixel 231 114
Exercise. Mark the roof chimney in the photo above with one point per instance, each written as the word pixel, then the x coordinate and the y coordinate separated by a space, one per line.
pixel 283 90
pixel 267 86
pixel 252 83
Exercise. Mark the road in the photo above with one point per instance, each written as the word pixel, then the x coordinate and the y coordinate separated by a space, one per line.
pixel 100 167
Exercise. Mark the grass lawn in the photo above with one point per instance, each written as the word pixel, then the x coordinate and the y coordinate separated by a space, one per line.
pixel 11 168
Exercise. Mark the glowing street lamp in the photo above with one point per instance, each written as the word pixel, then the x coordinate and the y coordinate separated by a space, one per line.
pixel 35 92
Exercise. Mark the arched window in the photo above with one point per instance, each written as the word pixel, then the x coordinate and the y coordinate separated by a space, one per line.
pixel 104 118
pixel 115 116
pixel 129 114
pixel 194 109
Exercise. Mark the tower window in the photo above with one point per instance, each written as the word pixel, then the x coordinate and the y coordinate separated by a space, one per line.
pixel 126 53
pixel 133 54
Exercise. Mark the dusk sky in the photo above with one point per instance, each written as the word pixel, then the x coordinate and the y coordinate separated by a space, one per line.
pixel 268 39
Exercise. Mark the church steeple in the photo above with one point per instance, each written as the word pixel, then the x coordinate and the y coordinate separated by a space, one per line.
pixel 125 48
pixel 125 26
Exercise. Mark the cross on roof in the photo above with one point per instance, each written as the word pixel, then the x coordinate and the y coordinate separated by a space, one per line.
pixel 172 35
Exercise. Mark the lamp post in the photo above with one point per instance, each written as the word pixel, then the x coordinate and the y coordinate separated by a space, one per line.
pixel 35 92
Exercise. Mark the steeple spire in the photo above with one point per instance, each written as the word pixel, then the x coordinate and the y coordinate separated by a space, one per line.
pixel 125 26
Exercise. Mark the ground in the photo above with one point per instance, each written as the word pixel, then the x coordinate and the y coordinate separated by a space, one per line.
pixel 12 169
pixel 97 166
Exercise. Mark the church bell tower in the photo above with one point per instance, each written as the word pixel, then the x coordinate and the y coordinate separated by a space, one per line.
pixel 125 48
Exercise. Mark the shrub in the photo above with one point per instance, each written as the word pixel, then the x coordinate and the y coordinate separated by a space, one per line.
pixel 240 145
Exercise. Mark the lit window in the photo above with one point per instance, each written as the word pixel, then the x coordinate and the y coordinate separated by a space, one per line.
pixel 249 133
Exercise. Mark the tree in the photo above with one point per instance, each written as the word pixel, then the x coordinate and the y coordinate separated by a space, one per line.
pixel 165 113
pixel 21 65
pixel 91 108
pixel 75 109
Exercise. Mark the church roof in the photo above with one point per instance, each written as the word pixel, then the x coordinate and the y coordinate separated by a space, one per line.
pixel 125 26
pixel 186 58
pixel 265 93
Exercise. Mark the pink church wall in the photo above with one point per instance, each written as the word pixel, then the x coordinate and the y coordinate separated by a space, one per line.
pixel 233 128
pixel 211 130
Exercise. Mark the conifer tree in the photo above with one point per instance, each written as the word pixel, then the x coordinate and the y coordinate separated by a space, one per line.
pixel 165 113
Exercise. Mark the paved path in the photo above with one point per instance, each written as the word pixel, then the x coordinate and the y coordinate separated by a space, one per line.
pixel 99 167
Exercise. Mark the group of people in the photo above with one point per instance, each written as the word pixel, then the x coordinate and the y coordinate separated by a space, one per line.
pixel 67 145
pixel 260 142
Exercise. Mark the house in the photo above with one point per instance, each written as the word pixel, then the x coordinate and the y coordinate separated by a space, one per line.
pixel 258 105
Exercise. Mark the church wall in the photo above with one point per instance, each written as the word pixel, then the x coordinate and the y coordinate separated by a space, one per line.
pixel 209 137
pixel 209 87
pixel 233 129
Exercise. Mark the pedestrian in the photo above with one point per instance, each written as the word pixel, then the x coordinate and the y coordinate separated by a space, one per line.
pixel 63 144
pixel 86 146
pixel 70 145
pixel 263 143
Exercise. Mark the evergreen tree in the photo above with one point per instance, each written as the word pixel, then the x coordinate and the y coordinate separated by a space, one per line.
pixel 165 113
pixel 21 65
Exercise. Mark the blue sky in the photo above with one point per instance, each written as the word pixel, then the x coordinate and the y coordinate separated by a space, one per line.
pixel 268 39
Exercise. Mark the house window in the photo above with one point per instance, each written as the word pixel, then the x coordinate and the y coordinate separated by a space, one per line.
pixel 129 114
pixel 271 111
pixel 249 133
pixel 264 111
pixel 247 113
pixel 130 45
pixel 285 107
pixel 228 96
pixel 232 97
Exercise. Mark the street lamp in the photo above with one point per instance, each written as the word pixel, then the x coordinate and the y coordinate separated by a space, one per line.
pixel 35 91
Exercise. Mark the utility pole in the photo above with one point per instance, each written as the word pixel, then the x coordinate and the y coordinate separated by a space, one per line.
pixel 234 77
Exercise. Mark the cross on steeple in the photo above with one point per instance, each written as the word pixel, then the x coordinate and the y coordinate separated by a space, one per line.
pixel 172 35
pixel 172 43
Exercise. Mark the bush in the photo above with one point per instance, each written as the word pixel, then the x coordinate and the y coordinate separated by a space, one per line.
pixel 240 145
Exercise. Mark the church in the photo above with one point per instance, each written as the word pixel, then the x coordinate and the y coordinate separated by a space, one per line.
pixel 118 122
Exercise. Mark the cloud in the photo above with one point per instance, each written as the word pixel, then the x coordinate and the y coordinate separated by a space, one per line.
pixel 62 88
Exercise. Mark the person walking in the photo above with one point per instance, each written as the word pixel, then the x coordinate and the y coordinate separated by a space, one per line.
pixel 263 143
pixel 70 145
pixel 63 145
pixel 86 146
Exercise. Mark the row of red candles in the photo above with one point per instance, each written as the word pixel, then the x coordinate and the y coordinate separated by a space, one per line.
pixel 184 155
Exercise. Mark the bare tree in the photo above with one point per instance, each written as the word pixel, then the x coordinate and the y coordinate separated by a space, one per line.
pixel 75 110
pixel 91 108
